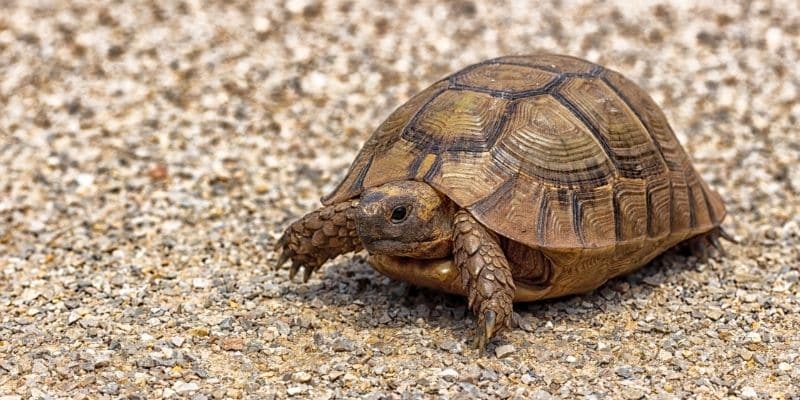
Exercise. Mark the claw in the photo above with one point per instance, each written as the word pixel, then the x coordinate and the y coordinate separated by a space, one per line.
pixel 699 250
pixel 480 338
pixel 307 271
pixel 282 259
pixel 715 242
pixel 281 242
pixel 280 245
pixel 727 236
pixel 489 319
pixel 703 253
pixel 717 245
pixel 293 270
pixel 486 329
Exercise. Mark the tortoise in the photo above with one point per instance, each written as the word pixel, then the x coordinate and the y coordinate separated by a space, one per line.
pixel 515 179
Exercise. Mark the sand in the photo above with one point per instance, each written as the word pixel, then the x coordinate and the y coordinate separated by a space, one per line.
pixel 152 152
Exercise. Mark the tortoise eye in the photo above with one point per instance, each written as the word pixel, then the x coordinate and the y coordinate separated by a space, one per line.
pixel 399 214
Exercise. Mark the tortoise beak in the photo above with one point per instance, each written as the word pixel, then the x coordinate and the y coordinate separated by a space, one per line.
pixel 377 233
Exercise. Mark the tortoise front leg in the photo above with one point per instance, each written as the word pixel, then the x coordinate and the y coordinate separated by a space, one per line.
pixel 318 237
pixel 486 275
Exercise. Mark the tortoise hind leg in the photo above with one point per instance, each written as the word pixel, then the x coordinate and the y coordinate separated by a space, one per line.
pixel 708 244
pixel 485 274
pixel 317 237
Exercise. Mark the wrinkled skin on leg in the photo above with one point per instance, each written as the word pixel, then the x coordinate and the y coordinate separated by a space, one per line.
pixel 485 274
pixel 318 237
pixel 399 219
pixel 409 223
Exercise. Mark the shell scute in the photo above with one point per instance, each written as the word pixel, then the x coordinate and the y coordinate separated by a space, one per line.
pixel 545 140
pixel 550 151
pixel 617 127
pixel 504 80
pixel 593 216
pixel 457 120
pixel 467 177
pixel 659 206
pixel 630 209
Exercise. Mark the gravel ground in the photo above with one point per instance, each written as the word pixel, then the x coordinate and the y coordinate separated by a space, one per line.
pixel 152 152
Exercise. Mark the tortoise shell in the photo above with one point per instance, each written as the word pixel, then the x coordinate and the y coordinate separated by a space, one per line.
pixel 550 151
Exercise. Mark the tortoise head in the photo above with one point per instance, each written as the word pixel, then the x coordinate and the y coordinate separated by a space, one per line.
pixel 406 218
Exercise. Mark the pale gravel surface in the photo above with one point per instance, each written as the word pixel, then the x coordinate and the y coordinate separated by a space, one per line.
pixel 151 152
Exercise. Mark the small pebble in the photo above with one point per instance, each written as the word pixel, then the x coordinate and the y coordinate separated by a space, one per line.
pixel 542 394
pixel 295 390
pixel 111 388
pixel 745 354
pixel 714 314
pixel 199 331
pixel 748 392
pixel 341 345
pixel 754 337
pixel 201 283
pixel 185 387
pixel 632 393
pixel 449 374
pixel 232 344
pixel 73 317
pixel 624 371
pixel 504 350
pixel 102 360
pixel 301 377
pixel 177 341
pixel 451 346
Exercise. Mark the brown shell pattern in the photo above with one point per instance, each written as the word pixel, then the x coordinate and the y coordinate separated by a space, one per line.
pixel 550 151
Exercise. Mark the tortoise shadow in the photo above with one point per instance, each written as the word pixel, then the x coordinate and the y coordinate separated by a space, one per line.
pixel 393 304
